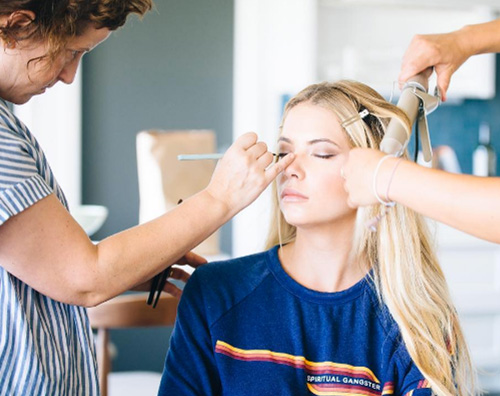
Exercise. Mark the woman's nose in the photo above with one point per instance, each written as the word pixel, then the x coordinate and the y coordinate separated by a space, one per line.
pixel 295 169
pixel 68 72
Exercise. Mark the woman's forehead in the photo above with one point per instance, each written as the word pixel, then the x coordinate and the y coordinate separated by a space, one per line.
pixel 90 38
pixel 309 121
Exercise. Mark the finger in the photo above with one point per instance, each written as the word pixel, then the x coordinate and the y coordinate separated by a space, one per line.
pixel 443 82
pixel 170 288
pixel 179 274
pixel 246 140
pixel 410 70
pixel 265 160
pixel 257 150
pixel 274 170
pixel 192 259
pixel 406 72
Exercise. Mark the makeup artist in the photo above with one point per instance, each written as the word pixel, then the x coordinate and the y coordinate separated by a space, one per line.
pixel 49 268
pixel 468 203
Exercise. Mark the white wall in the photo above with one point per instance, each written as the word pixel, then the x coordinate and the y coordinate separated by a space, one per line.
pixel 274 54
pixel 55 120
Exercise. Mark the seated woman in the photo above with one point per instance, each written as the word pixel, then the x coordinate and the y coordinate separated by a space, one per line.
pixel 335 308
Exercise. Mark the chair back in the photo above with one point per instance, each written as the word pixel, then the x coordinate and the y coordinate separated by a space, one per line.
pixel 163 179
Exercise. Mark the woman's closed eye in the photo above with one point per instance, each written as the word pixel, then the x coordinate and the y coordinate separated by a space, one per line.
pixel 324 155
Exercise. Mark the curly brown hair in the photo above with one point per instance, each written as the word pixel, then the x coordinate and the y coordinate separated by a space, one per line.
pixel 57 21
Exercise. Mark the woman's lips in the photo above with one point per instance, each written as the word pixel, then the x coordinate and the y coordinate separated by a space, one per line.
pixel 292 195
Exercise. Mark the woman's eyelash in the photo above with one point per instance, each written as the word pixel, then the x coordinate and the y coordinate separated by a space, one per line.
pixel 324 156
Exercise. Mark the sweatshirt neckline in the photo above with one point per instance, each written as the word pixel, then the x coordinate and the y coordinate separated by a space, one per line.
pixel 310 295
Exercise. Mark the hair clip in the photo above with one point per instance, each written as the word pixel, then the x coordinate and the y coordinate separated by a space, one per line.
pixel 361 115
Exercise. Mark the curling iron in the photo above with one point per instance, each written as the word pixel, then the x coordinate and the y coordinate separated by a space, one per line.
pixel 417 104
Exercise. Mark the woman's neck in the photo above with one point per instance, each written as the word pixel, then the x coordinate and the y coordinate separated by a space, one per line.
pixel 321 259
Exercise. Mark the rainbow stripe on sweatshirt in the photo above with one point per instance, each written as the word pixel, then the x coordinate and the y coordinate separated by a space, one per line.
pixel 323 378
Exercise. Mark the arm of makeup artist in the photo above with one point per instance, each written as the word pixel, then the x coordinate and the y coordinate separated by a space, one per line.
pixel 71 269
pixel 468 203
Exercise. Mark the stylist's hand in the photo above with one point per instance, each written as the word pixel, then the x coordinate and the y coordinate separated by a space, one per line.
pixel 358 172
pixel 446 52
pixel 192 259
pixel 244 172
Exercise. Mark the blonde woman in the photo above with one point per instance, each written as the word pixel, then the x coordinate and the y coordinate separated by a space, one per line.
pixel 333 308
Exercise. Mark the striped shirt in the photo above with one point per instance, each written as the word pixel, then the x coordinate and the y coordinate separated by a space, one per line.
pixel 46 347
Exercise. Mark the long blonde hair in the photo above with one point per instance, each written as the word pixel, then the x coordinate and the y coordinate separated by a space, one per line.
pixel 406 272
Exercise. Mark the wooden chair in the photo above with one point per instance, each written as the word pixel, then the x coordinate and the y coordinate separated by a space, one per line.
pixel 126 311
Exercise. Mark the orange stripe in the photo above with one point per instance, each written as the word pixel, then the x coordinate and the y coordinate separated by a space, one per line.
pixel 388 389
pixel 299 361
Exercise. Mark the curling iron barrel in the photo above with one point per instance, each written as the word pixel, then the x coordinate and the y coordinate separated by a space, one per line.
pixel 396 137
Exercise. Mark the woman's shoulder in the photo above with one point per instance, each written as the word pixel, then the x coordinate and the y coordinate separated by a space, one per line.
pixel 240 270
pixel 223 284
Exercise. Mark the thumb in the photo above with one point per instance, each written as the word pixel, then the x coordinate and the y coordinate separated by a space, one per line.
pixel 443 82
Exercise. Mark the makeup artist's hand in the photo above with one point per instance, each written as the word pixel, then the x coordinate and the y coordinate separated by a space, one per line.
pixel 358 171
pixel 244 172
pixel 192 259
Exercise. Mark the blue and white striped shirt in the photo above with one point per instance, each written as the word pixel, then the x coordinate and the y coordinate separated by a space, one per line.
pixel 46 347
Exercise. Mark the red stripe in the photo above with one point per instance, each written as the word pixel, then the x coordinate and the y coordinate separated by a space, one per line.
pixel 289 362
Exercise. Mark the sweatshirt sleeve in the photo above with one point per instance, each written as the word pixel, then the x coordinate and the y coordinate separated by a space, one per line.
pixel 190 367
pixel 414 383
pixel 419 388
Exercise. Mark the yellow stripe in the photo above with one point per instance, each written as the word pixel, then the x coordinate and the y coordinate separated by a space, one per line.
pixel 299 359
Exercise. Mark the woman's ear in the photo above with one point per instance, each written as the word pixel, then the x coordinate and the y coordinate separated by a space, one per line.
pixel 18 20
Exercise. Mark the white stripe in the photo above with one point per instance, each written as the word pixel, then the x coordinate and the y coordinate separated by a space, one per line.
pixel 23 349
pixel 8 161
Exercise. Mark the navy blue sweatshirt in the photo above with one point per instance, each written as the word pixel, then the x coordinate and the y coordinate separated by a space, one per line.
pixel 246 328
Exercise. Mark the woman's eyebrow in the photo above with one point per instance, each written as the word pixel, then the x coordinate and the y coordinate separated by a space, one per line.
pixel 284 139
pixel 314 141
pixel 323 140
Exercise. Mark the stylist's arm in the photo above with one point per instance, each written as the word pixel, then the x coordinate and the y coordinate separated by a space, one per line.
pixel 470 204
pixel 71 269
pixel 465 202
